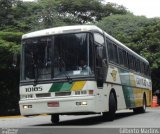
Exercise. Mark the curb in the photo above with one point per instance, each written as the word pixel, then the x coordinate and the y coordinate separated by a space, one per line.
pixel 20 116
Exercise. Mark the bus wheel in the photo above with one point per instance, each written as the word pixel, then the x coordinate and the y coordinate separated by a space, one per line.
pixel 110 115
pixel 54 118
pixel 141 109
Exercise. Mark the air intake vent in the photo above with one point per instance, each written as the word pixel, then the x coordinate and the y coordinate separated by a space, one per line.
pixel 43 95
pixel 62 93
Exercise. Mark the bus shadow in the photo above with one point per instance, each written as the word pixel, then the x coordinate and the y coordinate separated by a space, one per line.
pixel 88 121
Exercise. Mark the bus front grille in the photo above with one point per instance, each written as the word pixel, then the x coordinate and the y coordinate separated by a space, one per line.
pixel 62 93
pixel 43 95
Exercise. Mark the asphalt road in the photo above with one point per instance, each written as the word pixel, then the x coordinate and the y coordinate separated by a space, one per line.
pixel 125 119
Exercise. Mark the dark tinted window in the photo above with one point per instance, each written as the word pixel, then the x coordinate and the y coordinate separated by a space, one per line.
pixel 72 55
pixel 37 58
pixel 121 57
pixel 112 52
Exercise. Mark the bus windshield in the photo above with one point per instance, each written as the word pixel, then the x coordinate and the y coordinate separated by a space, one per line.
pixel 37 58
pixel 59 56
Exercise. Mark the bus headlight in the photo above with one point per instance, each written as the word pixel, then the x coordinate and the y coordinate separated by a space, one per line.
pixel 84 103
pixel 27 106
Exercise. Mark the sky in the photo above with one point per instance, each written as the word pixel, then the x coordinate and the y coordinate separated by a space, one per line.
pixel 148 8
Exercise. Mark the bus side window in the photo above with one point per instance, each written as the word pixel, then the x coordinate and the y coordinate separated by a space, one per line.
pixel 142 67
pixel 112 52
pixel 149 70
pixel 115 53
pixel 145 69
pixel 100 49
pixel 121 58
pixel 138 65
pixel 125 56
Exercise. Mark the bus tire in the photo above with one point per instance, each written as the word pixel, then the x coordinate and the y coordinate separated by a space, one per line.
pixel 110 115
pixel 55 118
pixel 143 108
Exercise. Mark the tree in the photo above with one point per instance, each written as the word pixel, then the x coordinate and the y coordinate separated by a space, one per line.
pixel 9 78
pixel 82 11
pixel 6 14
pixel 47 15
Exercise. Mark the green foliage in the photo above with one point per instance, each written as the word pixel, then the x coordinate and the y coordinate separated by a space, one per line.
pixel 6 14
pixel 47 15
pixel 9 78
pixel 9 45
pixel 9 95
pixel 82 11
pixel 22 16
pixel 123 27
pixel 11 36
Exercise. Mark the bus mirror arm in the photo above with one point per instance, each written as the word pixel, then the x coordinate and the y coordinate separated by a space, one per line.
pixel 15 60
pixel 99 76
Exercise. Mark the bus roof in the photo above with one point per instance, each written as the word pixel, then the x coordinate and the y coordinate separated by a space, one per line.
pixel 61 30
pixel 77 28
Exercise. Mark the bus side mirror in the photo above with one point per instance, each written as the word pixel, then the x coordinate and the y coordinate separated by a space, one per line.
pixel 99 66
pixel 15 60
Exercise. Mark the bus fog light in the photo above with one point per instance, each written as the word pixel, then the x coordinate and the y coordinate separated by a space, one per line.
pixel 27 106
pixel 84 103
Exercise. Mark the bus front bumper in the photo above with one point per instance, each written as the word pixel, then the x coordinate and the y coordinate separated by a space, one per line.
pixel 58 105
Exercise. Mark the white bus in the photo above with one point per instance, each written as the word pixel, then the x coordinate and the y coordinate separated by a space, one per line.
pixel 81 70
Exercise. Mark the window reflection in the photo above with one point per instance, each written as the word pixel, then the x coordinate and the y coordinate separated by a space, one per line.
pixel 71 55
pixel 57 57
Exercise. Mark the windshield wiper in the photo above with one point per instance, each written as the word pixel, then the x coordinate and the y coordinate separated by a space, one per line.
pixel 61 63
pixel 68 77
pixel 35 71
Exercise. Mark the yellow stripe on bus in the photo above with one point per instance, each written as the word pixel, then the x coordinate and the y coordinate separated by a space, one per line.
pixel 78 85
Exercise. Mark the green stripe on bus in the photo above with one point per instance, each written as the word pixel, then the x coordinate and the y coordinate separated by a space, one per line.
pixel 129 96
pixel 66 86
pixel 127 89
pixel 57 87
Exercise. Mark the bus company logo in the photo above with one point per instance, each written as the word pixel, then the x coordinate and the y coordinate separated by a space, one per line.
pixel 33 89
pixel 114 75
